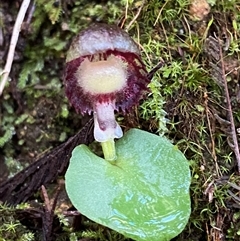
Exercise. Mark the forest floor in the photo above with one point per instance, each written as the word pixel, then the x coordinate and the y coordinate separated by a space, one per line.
pixel 194 101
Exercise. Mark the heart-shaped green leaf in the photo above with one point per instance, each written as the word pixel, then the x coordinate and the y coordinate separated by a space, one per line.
pixel 144 195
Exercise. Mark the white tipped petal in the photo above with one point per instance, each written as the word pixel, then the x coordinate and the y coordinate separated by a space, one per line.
pixel 105 125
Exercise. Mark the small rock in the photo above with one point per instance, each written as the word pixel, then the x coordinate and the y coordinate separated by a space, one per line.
pixel 199 9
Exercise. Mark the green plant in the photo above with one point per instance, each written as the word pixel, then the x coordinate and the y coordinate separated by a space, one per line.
pixel 10 227
pixel 141 189
pixel 152 109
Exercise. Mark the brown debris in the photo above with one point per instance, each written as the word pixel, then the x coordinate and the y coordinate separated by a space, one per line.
pixel 44 170
pixel 199 9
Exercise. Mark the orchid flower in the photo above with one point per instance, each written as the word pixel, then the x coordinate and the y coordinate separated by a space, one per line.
pixel 145 193
pixel 104 73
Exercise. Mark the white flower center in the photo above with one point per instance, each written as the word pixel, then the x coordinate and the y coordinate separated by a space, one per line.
pixel 102 77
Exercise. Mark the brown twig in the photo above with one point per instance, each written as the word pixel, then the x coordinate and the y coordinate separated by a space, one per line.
pixel 71 213
pixel 136 16
pixel 229 107
pixel 13 43
pixel 160 12
pixel 213 147
pixel 47 218
pixel 49 207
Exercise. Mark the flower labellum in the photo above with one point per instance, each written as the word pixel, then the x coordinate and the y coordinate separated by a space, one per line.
pixel 104 73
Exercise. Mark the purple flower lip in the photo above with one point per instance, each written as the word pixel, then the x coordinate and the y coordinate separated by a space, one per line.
pixel 104 73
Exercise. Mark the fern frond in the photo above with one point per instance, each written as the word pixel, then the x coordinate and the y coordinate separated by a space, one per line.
pixel 53 9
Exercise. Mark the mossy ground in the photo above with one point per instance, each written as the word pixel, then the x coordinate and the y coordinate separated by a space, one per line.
pixel 187 101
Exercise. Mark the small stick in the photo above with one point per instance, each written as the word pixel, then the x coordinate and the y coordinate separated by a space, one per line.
pixel 46 199
pixel 13 43
pixel 47 218
pixel 136 16
pixel 229 107
pixel 71 213
pixel 159 14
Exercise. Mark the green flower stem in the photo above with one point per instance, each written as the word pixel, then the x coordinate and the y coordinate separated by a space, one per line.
pixel 109 150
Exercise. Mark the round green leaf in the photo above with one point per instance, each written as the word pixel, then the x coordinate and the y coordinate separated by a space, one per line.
pixel 144 195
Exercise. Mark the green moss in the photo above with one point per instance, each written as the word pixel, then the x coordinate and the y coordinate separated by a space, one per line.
pixel 11 228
